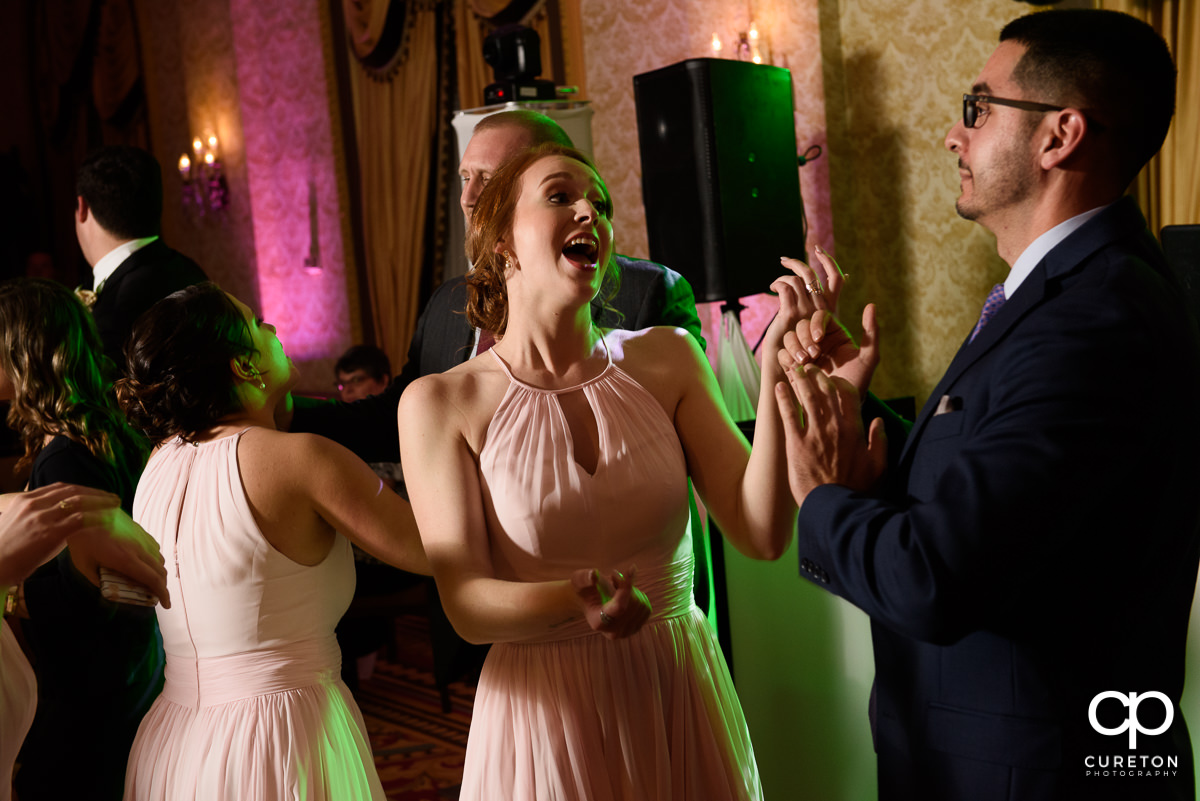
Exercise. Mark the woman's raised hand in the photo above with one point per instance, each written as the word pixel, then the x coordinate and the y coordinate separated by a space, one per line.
pixel 819 338
pixel 36 524
pixel 806 299
pixel 612 604
pixel 823 289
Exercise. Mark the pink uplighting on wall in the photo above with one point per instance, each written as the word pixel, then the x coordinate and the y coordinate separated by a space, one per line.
pixel 292 176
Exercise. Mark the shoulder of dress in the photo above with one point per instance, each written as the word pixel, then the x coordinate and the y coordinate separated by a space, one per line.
pixel 656 338
pixel 474 383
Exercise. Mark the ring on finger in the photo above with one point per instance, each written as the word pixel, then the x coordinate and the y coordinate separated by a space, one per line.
pixel 64 505
pixel 605 618
pixel 816 290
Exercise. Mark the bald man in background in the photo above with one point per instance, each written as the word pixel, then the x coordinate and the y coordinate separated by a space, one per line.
pixel 650 294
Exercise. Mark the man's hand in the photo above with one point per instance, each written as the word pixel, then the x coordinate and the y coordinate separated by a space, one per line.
pixel 823 341
pixel 824 434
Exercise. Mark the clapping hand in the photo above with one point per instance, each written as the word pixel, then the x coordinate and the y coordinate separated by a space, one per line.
pixel 820 339
pixel 613 606
pixel 802 295
pixel 823 432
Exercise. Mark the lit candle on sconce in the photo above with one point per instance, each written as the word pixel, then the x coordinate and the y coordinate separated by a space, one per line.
pixel 755 53
pixel 204 186
pixel 211 152
pixel 748 44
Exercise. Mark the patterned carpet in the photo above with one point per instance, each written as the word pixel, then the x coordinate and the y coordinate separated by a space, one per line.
pixel 418 749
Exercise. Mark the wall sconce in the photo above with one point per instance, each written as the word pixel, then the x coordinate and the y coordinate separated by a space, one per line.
pixel 204 184
pixel 749 46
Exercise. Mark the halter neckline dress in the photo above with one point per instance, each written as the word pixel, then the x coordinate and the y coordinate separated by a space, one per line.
pixel 253 705
pixel 571 714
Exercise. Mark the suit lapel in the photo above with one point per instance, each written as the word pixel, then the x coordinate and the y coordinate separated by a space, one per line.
pixel 463 343
pixel 1029 294
pixel 459 339
pixel 1121 221
pixel 140 256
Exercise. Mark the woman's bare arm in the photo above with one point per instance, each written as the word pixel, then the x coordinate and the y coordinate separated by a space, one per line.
pixel 448 503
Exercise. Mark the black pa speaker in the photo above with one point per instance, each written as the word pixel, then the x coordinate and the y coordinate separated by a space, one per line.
pixel 720 179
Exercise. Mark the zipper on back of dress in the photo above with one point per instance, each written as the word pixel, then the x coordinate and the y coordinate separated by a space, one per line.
pixel 187 620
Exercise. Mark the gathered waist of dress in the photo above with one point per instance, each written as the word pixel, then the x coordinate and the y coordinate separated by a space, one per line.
pixel 215 680
pixel 668 588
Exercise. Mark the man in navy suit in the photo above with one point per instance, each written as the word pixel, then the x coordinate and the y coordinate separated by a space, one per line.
pixel 1029 560
pixel 118 215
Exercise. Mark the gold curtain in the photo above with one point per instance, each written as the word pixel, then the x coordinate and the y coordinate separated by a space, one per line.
pixel 396 126
pixel 396 119
pixel 1168 189
pixel 473 73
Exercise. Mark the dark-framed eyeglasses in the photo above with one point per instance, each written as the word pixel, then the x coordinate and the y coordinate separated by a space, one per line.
pixel 352 380
pixel 971 104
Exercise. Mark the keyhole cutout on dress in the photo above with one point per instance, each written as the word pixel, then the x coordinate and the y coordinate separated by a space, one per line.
pixel 585 434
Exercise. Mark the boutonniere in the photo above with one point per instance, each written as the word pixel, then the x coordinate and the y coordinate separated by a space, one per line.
pixel 87 296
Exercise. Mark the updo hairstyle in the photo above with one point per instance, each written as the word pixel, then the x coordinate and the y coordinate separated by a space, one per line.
pixel 491 221
pixel 178 376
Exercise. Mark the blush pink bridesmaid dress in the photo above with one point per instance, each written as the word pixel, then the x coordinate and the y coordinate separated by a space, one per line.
pixel 253 706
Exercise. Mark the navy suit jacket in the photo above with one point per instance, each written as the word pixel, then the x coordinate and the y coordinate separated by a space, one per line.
pixel 650 294
pixel 1036 543
pixel 146 277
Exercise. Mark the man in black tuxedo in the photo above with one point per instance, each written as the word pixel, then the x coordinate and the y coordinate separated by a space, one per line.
pixel 118 215
pixel 649 294
pixel 1029 561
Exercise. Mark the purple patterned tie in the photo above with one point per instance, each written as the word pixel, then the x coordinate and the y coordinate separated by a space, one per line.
pixel 995 300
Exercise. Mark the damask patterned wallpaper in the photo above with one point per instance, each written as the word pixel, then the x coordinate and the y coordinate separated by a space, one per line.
pixel 877 85
pixel 188 57
pixel 255 73
pixel 904 65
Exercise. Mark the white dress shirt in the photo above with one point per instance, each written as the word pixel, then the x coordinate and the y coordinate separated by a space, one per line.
pixel 109 262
